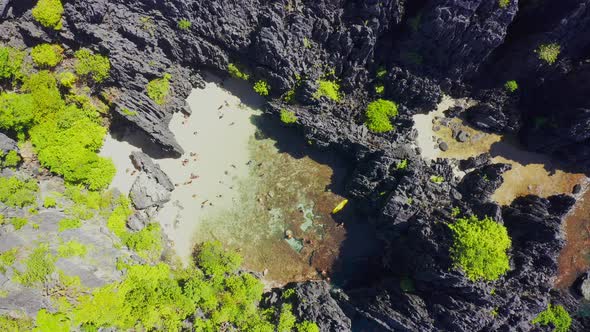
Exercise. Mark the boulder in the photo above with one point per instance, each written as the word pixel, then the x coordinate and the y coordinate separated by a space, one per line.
pixel 7 144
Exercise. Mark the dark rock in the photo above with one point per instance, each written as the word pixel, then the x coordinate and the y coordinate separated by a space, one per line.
pixel 576 189
pixel 487 118
pixel 443 146
pixel 480 184
pixel 454 111
pixel 462 136
pixel 475 162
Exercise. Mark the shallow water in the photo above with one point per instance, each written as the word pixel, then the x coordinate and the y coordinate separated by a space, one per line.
pixel 253 181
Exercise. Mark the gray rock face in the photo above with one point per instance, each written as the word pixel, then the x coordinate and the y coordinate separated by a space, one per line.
pixel 152 187
pixel 144 163
pixel 7 144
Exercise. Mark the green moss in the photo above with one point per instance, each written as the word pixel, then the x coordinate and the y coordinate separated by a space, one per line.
pixel 11 63
pixel 381 72
pixel 402 165
pixel 437 179
pixel 286 319
pixel 47 55
pixel 288 293
pixel 48 322
pixel 480 248
pixel 7 258
pixel 455 212
pixel 18 193
pixel 378 114
pixel 49 202
pixel 18 223
pixel 288 117
pixel 379 89
pixel 71 249
pixel 548 52
pixel 67 79
pixel 159 88
pixel 184 24
pixel 555 316
pixel 93 65
pixel 39 264
pixel 503 3
pixel 48 13
pixel 328 89
pixel 147 242
pixel 66 224
pixel 262 88
pixel 511 86
pixel 11 324
pixel 117 221
pixel 11 159
pixel 234 71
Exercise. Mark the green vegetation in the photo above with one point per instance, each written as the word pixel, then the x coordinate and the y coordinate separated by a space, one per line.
pixel 556 316
pixel 288 117
pixel 548 52
pixel 15 325
pixel 503 3
pixel 286 319
pixel 93 65
pixel 39 264
pixel 67 79
pixel 184 24
pixel 147 242
pixel 48 13
pixel 262 88
pixel 328 89
pixel 402 165
pixel 378 114
pixel 18 223
pixel 47 55
pixel 18 193
pixel 379 89
pixel 128 112
pixel 11 62
pixel 159 88
pixel 66 224
pixel 48 322
pixel 455 212
pixel 480 248
pixel 7 258
pixel 511 86
pixel 381 72
pixel 234 71
pixel 11 159
pixel 117 221
pixel 71 249
pixel 49 202
pixel 437 179
pixel 17 112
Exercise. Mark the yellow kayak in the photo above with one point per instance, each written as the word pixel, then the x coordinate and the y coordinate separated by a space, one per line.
pixel 340 206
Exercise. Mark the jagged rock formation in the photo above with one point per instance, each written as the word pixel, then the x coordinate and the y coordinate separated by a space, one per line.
pixel 462 48
pixel 7 144
pixel 151 188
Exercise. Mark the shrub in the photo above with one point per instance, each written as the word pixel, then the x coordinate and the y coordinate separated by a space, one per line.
pixel 11 62
pixel 48 13
pixel 184 24
pixel 480 248
pixel 7 258
pixel 18 223
pixel 234 71
pixel 378 114
pixel 511 86
pixel 379 89
pixel 39 264
pixel 94 65
pixel 215 261
pixel 288 117
pixel 12 324
pixel 71 249
pixel 262 88
pixel 147 242
pixel 403 164
pixel 286 319
pixel 503 3
pixel 67 79
pixel 18 193
pixel 11 159
pixel 17 111
pixel 159 88
pixel 437 179
pixel 117 221
pixel 48 322
pixel 307 326
pixel 549 52
pixel 46 96
pixel 328 89
pixel 381 72
pixel 556 316
pixel 66 224
pixel 49 202
pixel 47 55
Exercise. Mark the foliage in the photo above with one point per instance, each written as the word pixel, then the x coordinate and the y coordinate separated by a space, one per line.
pixel 286 319
pixel 49 202
pixel 480 248
pixel 48 322
pixel 46 96
pixel 234 71
pixel 48 13
pixel 381 72
pixel 556 316
pixel 262 88
pixel 10 324
pixel 18 223
pixel 47 55
pixel 147 242
pixel 379 89
pixel 328 89
pixel 548 52
pixel 159 88
pixel 66 224
pixel 11 62
pixel 11 159
pixel 67 79
pixel 94 65
pixel 71 248
pixel 455 211
pixel 18 193
pixel 437 179
pixel 7 258
pixel 184 24
pixel 39 264
pixel 127 112
pixel 503 3
pixel 117 221
pixel 307 326
pixel 288 117
pixel 403 164
pixel 17 111
pixel 215 261
pixel 511 86
pixel 288 293
pixel 378 114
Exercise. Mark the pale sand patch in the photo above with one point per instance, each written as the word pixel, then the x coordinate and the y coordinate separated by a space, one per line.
pixel 119 152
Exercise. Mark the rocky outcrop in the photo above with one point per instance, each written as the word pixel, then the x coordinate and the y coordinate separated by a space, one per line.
pixel 7 144
pixel 152 187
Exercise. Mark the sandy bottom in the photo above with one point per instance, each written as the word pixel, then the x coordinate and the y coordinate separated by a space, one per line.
pixel 237 184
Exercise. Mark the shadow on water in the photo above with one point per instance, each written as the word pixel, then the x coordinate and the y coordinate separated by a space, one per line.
pixel 360 247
